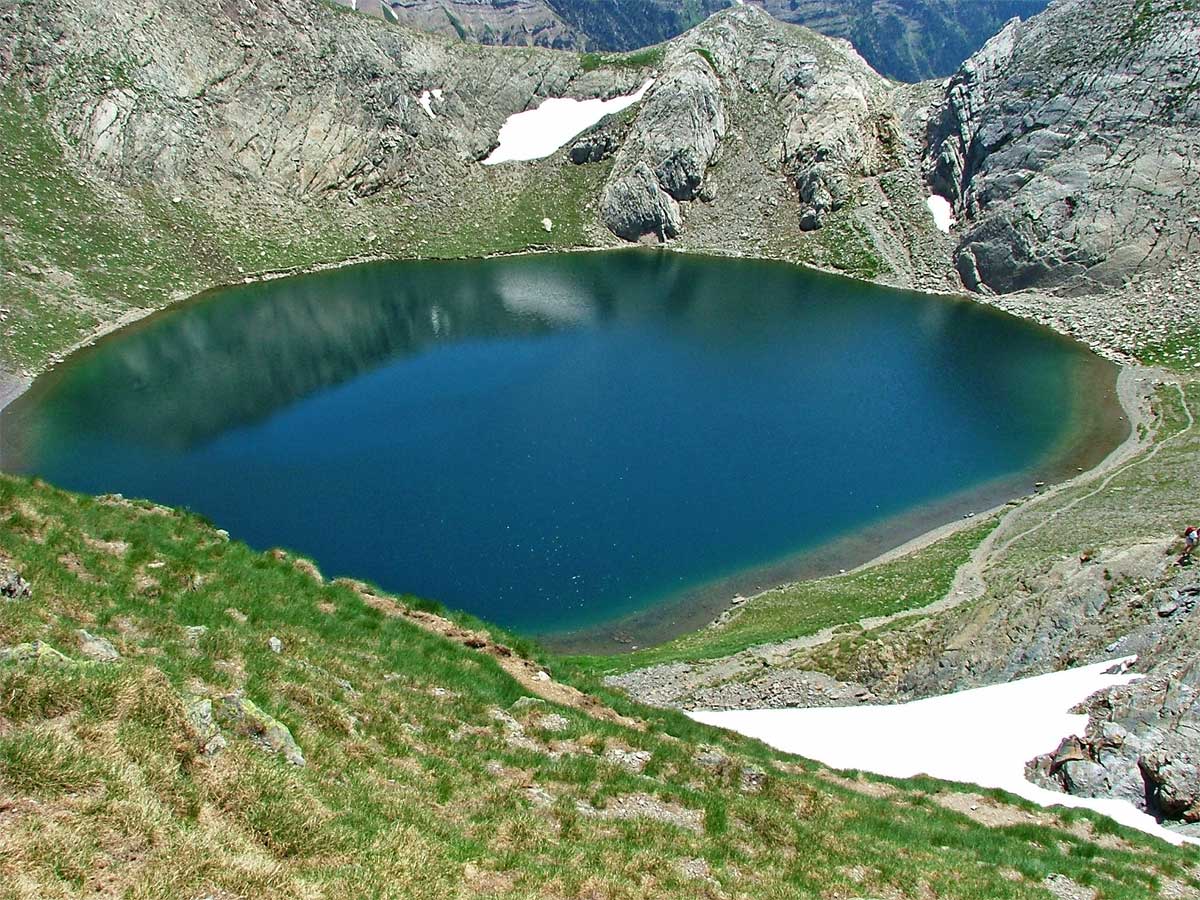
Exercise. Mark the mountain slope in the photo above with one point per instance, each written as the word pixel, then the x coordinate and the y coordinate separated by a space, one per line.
pixel 909 40
pixel 203 720
pixel 1070 155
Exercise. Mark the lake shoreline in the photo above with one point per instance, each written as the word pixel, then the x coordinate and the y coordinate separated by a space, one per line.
pixel 916 528
pixel 912 529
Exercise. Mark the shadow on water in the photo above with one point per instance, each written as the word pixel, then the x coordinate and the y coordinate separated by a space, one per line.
pixel 561 442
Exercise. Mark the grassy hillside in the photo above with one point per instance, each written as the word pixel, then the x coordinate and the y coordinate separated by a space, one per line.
pixel 429 768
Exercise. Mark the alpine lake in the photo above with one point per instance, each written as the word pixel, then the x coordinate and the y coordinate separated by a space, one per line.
pixel 600 449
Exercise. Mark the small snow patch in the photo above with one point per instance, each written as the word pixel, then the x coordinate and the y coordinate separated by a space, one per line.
pixel 982 736
pixel 536 133
pixel 942 211
pixel 426 100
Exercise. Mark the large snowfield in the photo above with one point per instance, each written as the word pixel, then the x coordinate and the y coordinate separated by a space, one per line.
pixel 982 736
pixel 536 133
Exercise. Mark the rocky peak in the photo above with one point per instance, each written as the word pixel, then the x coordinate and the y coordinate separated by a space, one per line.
pixel 1066 146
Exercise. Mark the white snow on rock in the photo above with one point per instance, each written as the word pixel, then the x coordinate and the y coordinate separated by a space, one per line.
pixel 426 100
pixel 942 211
pixel 982 736
pixel 536 133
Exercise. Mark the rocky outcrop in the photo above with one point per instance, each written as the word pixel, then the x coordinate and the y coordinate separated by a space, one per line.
pixel 1066 146
pixel 825 115
pixel 675 137
pixel 514 23
pixel 635 204
pixel 36 652
pixel 244 717
pixel 1143 740
pixel 13 586
pixel 96 648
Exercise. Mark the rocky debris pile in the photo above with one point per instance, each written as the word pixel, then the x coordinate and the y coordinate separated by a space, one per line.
pixel 747 680
pixel 1067 154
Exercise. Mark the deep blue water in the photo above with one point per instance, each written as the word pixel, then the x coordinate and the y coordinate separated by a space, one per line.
pixel 554 441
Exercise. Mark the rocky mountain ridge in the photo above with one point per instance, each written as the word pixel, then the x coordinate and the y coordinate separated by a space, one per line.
pixel 908 40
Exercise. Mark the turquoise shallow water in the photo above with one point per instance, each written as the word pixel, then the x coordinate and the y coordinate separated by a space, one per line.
pixel 553 442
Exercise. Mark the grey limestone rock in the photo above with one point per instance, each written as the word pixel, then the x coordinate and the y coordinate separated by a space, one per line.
pixel 96 648
pixel 244 717
pixel 636 204
pixel 1066 145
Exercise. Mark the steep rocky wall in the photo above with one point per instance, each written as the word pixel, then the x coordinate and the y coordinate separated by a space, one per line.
pixel 831 123
pixel 1068 145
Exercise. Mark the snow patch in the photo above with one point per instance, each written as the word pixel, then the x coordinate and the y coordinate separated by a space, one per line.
pixel 536 133
pixel 942 211
pixel 426 100
pixel 982 736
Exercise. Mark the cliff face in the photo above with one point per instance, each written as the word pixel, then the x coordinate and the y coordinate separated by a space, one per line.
pixel 525 23
pixel 909 40
pixel 1068 147
pixel 811 104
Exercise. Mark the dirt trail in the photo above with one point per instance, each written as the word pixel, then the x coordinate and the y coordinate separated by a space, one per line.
pixel 1133 386
pixel 524 671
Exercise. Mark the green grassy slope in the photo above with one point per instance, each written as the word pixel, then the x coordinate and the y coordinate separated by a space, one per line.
pixel 427 775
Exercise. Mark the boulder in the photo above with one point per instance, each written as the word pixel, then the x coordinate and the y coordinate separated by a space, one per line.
pixel 13 586
pixel 635 205
pixel 199 712
pixel 38 652
pixel 244 717
pixel 96 648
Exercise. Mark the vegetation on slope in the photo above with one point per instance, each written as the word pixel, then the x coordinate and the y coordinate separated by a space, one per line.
pixel 75 257
pixel 430 772
pixel 808 607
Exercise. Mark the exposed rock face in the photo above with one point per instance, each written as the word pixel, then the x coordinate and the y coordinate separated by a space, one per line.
pixel 909 40
pixel 516 23
pixel 1143 740
pixel 96 648
pixel 826 113
pixel 1067 146
pixel 292 98
pixel 635 204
